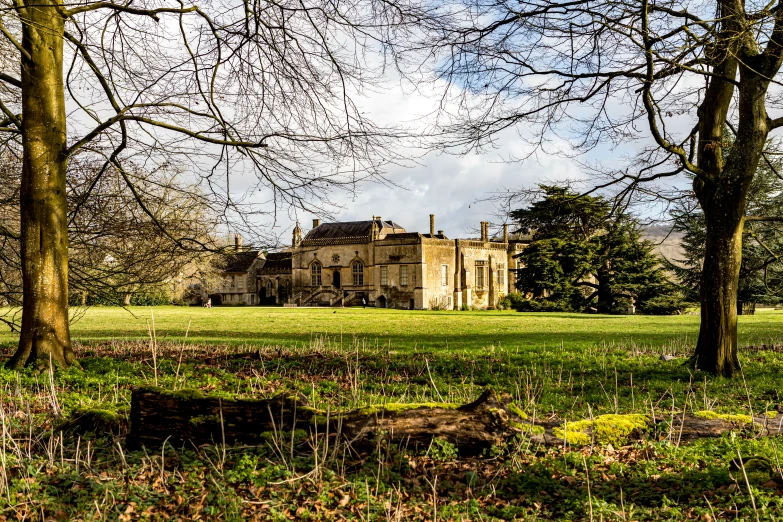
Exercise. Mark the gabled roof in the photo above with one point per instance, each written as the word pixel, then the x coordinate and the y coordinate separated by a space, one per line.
pixel 360 231
pixel 239 261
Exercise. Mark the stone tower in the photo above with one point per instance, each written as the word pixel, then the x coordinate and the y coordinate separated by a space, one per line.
pixel 296 236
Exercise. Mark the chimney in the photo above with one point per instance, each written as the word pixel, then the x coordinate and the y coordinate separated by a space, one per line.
pixel 505 233
pixel 432 225
pixel 440 232
pixel 237 242
pixel 484 231
pixel 316 222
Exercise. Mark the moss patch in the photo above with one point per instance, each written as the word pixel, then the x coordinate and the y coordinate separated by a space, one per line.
pixel 96 420
pixel 516 410
pixel 400 407
pixel 728 417
pixel 204 419
pixel 529 429
pixel 606 429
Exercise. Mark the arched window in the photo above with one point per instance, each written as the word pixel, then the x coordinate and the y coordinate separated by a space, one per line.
pixel 315 274
pixel 358 273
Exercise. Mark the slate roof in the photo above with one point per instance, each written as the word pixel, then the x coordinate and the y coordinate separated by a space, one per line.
pixel 403 235
pixel 277 262
pixel 239 261
pixel 356 231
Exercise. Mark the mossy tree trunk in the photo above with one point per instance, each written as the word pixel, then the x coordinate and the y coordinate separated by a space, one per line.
pixel 45 332
pixel 723 199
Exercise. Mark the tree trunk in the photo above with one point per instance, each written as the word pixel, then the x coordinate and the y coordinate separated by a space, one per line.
pixel 126 299
pixel 716 349
pixel 604 293
pixel 45 333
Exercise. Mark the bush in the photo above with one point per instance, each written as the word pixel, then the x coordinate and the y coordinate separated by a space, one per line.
pixel 544 305
pixel 512 300
pixel 153 297
pixel 667 304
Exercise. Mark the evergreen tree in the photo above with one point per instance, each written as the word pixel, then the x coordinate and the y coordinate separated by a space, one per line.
pixel 585 255
pixel 761 271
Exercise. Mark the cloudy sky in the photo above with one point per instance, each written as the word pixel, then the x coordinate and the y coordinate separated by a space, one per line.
pixel 447 185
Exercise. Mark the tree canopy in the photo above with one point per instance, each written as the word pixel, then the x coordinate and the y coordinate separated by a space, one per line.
pixel 761 272
pixel 664 78
pixel 256 100
pixel 585 255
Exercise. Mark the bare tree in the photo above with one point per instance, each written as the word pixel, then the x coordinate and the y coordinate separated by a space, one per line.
pixel 671 76
pixel 259 93
pixel 116 248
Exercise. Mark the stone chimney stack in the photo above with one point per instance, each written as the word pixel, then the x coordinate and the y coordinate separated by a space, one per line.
pixel 432 225
pixel 484 231
pixel 316 223
pixel 440 232
pixel 505 233
pixel 237 242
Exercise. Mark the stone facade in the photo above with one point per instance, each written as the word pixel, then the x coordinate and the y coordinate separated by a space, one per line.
pixel 239 280
pixel 274 279
pixel 341 264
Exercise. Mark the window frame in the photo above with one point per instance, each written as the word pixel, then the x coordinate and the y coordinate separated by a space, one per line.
pixel 357 271
pixel 384 275
pixel 316 272
pixel 403 275
pixel 444 275
pixel 481 274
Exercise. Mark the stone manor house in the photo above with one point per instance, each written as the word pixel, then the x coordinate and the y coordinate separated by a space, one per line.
pixel 378 261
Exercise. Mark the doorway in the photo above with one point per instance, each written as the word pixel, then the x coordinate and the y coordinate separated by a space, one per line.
pixel 336 279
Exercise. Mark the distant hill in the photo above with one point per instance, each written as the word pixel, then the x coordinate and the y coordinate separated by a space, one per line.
pixel 667 242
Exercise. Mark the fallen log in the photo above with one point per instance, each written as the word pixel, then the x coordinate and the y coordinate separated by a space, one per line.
pixel 188 416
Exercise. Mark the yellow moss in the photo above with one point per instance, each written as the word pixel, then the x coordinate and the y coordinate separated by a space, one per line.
pixel 740 419
pixel 771 414
pixel 606 429
pixel 530 429
pixel 400 407
pixel 513 408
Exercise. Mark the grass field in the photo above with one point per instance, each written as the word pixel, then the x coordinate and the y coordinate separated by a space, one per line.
pixel 567 366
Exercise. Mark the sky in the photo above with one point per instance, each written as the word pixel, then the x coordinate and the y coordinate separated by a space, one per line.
pixel 450 186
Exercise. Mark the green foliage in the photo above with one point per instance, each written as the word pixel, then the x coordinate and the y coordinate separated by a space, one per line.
pixel 666 304
pixel 150 295
pixel 442 450
pixel 585 256
pixel 575 366
pixel 761 271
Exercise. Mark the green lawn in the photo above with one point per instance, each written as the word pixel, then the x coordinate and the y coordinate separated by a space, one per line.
pixel 566 366
pixel 259 326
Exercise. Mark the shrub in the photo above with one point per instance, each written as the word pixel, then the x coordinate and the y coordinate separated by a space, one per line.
pixel 544 305
pixel 666 304
pixel 510 301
